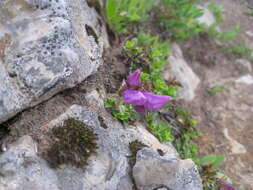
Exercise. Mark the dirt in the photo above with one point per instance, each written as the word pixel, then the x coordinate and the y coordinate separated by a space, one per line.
pixel 226 117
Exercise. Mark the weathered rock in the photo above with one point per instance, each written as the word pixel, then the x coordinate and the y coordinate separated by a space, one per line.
pixel 246 79
pixel 153 171
pixel 21 168
pixel 207 18
pixel 179 69
pixel 244 65
pixel 45 46
pixel 107 170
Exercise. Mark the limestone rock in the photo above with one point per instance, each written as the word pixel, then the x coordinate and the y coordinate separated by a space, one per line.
pixel 244 65
pixel 21 168
pixel 109 169
pixel 182 72
pixel 45 46
pixel 246 79
pixel 153 171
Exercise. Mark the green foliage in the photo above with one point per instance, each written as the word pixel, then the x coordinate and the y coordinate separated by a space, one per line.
pixel 160 129
pixel 179 18
pixel 227 36
pixel 149 49
pixel 217 12
pixel 209 174
pixel 186 148
pixel 184 143
pixel 122 112
pixel 214 161
pixel 215 90
pixel 121 14
pixel 241 50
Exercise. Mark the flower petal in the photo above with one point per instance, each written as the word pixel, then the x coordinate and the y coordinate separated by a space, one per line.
pixel 134 97
pixel 140 109
pixel 226 185
pixel 155 102
pixel 134 80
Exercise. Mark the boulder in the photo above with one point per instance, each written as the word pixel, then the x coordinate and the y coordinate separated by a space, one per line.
pixel 23 167
pixel 153 171
pixel 46 46
pixel 180 69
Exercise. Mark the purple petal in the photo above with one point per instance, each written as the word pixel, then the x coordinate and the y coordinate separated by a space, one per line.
pixel 226 185
pixel 155 102
pixel 140 109
pixel 134 80
pixel 134 97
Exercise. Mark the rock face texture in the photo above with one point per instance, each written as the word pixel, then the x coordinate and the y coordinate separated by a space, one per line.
pixel 109 169
pixel 45 46
pixel 183 73
pixel 153 171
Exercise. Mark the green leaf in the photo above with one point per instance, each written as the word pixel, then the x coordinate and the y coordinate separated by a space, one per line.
pixel 214 160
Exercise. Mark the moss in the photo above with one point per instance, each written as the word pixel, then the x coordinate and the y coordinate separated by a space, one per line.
pixel 72 143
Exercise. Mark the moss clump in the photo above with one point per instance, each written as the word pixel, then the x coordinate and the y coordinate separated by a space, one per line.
pixel 72 143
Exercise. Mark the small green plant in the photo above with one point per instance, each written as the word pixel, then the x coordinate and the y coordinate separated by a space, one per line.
pixel 122 112
pixel 241 50
pixel 184 141
pixel 226 36
pixel 148 52
pixel 179 18
pixel 160 129
pixel 217 12
pixel 212 179
pixel 215 90
pixel 249 12
pixel 121 14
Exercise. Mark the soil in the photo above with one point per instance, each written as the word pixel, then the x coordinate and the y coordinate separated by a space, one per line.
pixel 225 118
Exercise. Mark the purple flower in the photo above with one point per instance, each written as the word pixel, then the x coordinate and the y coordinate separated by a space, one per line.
pixel 155 102
pixel 226 185
pixel 134 80
pixel 145 101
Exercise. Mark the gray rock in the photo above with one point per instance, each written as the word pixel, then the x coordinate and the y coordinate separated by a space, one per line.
pixel 246 79
pixel 207 18
pixel 153 171
pixel 244 65
pixel 21 168
pixel 45 46
pixel 179 69
pixel 107 170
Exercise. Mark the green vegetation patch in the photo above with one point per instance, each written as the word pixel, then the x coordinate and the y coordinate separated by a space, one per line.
pixel 72 143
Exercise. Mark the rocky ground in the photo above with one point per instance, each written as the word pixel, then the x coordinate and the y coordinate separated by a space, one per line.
pixel 226 117
pixel 45 94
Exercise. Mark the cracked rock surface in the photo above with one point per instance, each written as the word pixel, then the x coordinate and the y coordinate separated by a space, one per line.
pixel 46 46
pixel 22 167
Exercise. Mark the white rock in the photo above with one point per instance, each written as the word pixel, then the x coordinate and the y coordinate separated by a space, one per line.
pixel 247 79
pixel 237 148
pixel 244 64
pixel 153 171
pixel 45 47
pixel 179 69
